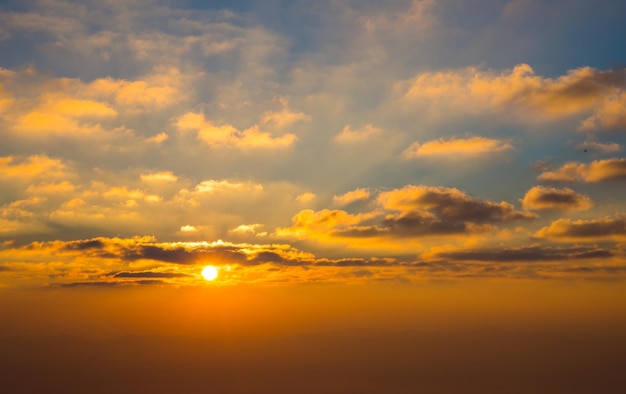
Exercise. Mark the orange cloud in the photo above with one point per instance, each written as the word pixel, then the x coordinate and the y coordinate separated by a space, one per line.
pixel 348 135
pixel 162 176
pixel 580 91
pixel 547 198
pixel 457 148
pixel 306 197
pixel 32 167
pixel 228 136
pixel 283 118
pixel 610 115
pixel 596 171
pixel 349 197
pixel 220 186
pixel 608 228
pixel 158 90
pixel 449 204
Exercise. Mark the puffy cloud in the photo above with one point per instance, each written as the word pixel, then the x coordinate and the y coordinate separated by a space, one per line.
pixel 454 148
pixel 610 115
pixel 596 171
pixel 424 212
pixel 472 90
pixel 579 230
pixel 540 198
pixel 249 229
pixel 32 167
pixel 155 91
pixel 449 204
pixel 306 197
pixel 228 136
pixel 348 135
pixel 325 221
pixel 352 196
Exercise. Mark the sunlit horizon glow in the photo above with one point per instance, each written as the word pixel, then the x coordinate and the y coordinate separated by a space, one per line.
pixel 446 164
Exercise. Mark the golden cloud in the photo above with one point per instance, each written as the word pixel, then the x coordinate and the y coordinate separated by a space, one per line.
pixel 596 171
pixel 36 166
pixel 454 148
pixel 449 204
pixel 548 198
pixel 607 228
pixel 348 135
pixel 610 115
pixel 162 176
pixel 352 196
pixel 580 91
pixel 228 136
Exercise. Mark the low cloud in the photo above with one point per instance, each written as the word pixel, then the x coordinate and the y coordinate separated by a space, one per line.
pixel 548 198
pixel 455 148
pixel 599 147
pixel 528 254
pixel 596 171
pixel 351 196
pixel 608 228
pixel 450 204
pixel 227 136
pixel 521 92
pixel 348 135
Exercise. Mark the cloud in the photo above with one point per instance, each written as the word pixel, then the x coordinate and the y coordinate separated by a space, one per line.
pixel 284 117
pixel 228 136
pixel 528 254
pixel 410 212
pixel 249 229
pixel 603 148
pixel 596 171
pixel 161 176
pixel 609 115
pixel 450 204
pixel 347 135
pixel 519 90
pixel 548 198
pixel 306 197
pixel 32 167
pixel 455 148
pixel 607 228
pixel 224 185
pixel 149 274
pixel 352 196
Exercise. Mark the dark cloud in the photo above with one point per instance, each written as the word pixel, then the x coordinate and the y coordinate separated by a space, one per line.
pixel 527 254
pixel 149 274
pixel 450 205
pixel 85 244
pixel 580 229
pixel 547 198
pixel 414 223
pixel 183 254
pixel 90 284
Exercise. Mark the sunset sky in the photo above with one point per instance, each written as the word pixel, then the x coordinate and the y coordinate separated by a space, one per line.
pixel 391 165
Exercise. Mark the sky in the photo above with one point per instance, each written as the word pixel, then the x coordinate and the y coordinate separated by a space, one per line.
pixel 387 166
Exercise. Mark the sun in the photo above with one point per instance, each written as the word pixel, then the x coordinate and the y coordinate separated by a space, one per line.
pixel 209 272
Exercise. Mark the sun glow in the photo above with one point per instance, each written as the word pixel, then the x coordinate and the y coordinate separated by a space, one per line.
pixel 209 272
